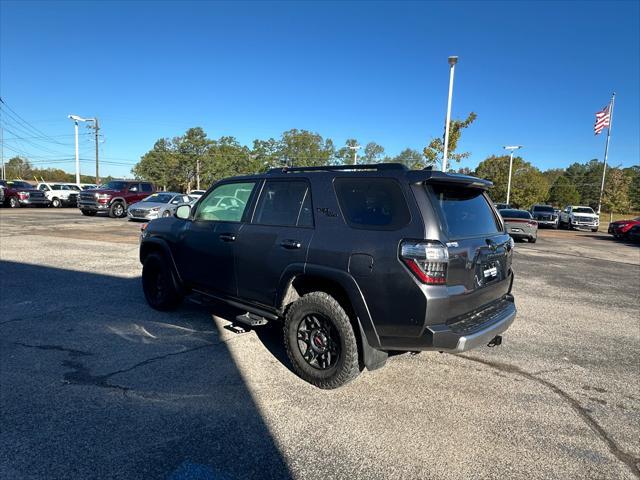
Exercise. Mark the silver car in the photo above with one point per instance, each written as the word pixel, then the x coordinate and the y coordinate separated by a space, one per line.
pixel 520 224
pixel 160 204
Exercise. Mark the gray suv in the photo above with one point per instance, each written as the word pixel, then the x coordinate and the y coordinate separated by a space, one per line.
pixel 354 261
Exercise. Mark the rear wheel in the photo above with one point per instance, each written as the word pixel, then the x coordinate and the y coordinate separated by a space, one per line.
pixel 533 239
pixel 320 341
pixel 157 283
pixel 14 203
pixel 117 210
pixel 89 213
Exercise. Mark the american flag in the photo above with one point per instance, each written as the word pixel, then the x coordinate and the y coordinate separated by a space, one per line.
pixel 603 118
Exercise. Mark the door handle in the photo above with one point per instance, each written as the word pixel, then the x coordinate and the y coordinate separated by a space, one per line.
pixel 290 244
pixel 227 237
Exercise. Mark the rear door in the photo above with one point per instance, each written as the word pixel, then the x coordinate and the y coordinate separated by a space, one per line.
pixel 277 238
pixel 480 251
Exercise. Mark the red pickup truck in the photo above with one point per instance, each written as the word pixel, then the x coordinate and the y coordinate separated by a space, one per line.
pixel 16 193
pixel 114 197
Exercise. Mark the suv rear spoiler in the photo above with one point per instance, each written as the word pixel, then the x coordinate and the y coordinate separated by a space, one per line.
pixel 428 175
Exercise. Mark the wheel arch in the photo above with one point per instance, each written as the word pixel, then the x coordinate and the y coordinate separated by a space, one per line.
pixel 158 245
pixel 299 280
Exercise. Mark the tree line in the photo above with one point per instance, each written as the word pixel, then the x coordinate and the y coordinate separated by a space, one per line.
pixel 21 168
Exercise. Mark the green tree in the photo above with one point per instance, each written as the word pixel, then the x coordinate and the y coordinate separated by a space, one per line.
pixel 18 167
pixel 160 165
pixel 528 185
pixel 435 150
pixel 410 158
pixel 563 193
pixel 615 197
pixel 373 153
pixel 634 186
pixel 304 148
pixel 192 148
pixel 226 158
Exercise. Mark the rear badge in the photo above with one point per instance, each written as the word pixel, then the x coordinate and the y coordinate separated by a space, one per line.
pixel 490 272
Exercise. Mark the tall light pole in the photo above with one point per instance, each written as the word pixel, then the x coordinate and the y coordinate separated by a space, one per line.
pixel 510 148
pixel 452 68
pixel 355 149
pixel 77 119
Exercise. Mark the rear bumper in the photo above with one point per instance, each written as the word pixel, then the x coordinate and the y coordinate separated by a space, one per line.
pixel 547 223
pixel 34 201
pixel 470 331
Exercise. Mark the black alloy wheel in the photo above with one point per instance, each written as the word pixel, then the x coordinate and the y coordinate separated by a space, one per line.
pixel 318 341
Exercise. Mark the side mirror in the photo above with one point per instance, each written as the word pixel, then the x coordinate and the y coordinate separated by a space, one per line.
pixel 183 212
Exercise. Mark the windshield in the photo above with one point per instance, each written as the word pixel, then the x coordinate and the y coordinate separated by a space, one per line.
pixel 113 186
pixel 583 210
pixel 515 214
pixel 466 211
pixel 159 198
pixel 543 208
pixel 18 184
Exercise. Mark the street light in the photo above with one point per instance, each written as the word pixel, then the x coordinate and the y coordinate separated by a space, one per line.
pixel 510 148
pixel 77 119
pixel 452 67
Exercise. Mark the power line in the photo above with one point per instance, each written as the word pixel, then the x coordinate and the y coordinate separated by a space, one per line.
pixel 36 130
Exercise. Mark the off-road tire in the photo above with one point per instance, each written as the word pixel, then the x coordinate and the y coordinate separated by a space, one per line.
pixel 89 213
pixel 14 203
pixel 157 283
pixel 347 367
pixel 117 210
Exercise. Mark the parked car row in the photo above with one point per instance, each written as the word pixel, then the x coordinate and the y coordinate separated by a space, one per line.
pixel 18 193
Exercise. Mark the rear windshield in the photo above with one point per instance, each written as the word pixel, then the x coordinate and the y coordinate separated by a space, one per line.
pixel 466 211
pixel 372 203
pixel 515 214
pixel 543 208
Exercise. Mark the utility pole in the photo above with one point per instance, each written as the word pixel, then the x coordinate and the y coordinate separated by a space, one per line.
pixel 452 68
pixel 96 126
pixel 4 173
pixel 355 149
pixel 77 155
pixel 198 173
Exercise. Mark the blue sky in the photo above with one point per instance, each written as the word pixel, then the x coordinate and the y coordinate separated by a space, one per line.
pixel 535 73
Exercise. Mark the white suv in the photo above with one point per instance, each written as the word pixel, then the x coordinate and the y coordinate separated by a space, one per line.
pixel 60 194
pixel 579 217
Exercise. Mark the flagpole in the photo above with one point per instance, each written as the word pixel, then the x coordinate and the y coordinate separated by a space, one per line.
pixel 606 149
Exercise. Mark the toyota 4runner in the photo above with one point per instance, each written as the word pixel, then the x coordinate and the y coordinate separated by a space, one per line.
pixel 355 261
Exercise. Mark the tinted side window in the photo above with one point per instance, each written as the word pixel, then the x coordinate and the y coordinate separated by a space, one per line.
pixel 146 187
pixel 466 211
pixel 372 203
pixel 224 203
pixel 281 203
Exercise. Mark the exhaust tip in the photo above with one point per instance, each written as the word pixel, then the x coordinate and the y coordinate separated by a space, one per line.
pixel 495 341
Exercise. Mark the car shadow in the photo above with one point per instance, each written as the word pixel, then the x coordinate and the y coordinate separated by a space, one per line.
pixel 612 239
pixel 95 384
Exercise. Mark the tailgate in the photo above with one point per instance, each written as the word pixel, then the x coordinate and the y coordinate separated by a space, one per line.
pixel 480 251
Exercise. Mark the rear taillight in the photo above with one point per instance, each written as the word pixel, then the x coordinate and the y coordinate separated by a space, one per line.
pixel 23 195
pixel 533 223
pixel 427 260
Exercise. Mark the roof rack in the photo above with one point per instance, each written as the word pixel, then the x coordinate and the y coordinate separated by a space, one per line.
pixel 329 168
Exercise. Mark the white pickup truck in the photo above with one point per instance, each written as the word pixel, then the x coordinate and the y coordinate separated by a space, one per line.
pixel 60 194
pixel 578 217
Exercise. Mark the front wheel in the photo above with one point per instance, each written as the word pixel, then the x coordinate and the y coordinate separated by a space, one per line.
pixel 56 203
pixel 594 230
pixel 117 210
pixel 320 341
pixel 157 283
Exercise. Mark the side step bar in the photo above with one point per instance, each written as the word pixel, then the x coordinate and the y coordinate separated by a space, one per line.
pixel 251 320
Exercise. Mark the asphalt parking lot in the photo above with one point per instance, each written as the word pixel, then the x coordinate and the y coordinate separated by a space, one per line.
pixel 94 384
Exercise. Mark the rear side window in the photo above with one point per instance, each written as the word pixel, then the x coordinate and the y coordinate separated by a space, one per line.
pixel 465 211
pixel 146 187
pixel 372 203
pixel 285 204
pixel 515 214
